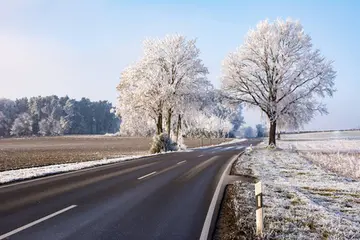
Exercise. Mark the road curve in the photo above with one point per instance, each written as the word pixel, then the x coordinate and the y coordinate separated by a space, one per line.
pixel 159 197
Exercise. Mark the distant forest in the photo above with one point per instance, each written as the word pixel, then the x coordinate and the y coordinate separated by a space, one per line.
pixel 51 116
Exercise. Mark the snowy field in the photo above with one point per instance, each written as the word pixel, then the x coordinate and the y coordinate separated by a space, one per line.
pixel 323 145
pixel 302 199
pixel 323 135
pixel 338 155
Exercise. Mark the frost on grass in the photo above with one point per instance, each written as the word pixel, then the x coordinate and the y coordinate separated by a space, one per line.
pixel 340 156
pixel 237 216
pixel 330 146
pixel 302 200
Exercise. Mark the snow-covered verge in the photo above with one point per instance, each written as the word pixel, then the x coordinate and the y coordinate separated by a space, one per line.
pixel 302 200
pixel 27 173
pixel 237 140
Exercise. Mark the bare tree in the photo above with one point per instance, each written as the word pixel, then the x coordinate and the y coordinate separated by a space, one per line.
pixel 277 70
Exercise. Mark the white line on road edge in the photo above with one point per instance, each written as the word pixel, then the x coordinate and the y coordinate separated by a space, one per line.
pixel 207 224
pixel 147 175
pixel 181 162
pixel 36 222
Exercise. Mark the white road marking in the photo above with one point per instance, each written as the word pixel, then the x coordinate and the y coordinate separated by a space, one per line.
pixel 181 162
pixel 207 224
pixel 147 175
pixel 198 168
pixel 36 222
pixel 201 155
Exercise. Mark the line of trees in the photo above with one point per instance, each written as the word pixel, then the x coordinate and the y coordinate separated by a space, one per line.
pixel 276 70
pixel 51 116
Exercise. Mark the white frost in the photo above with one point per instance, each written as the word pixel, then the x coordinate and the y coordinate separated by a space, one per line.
pixel 303 200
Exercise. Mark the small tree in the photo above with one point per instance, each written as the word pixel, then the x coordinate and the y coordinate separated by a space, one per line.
pixel 260 131
pixel 278 71
pixel 22 125
pixel 249 132
pixel 50 127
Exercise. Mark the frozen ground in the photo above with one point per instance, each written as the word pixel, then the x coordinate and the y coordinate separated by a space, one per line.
pixel 18 153
pixel 323 145
pixel 323 135
pixel 302 200
pixel 340 156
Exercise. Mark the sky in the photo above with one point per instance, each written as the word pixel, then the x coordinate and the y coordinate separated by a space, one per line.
pixel 79 48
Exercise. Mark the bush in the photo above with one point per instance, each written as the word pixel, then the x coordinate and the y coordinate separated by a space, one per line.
pixel 162 143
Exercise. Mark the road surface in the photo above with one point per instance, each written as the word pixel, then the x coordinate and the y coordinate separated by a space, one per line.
pixel 160 197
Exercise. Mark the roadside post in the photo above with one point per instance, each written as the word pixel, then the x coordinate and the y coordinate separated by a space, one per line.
pixel 259 209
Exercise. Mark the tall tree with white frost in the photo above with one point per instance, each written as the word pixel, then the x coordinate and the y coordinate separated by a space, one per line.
pixel 169 76
pixel 277 70
pixel 178 61
pixel 22 125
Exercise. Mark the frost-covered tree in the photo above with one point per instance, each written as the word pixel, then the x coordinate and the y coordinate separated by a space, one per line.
pixel 50 127
pixel 140 99
pixel 178 62
pixel 249 132
pixel 7 116
pixel 57 116
pixel 278 70
pixel 22 125
pixel 260 130
pixel 22 105
pixel 169 76
pixel 213 117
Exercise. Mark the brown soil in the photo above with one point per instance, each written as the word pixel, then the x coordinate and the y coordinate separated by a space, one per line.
pixel 18 153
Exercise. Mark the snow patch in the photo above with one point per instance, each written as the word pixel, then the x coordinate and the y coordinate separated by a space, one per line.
pixel 28 173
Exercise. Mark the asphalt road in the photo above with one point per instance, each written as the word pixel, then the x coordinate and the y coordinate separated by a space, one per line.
pixel 159 197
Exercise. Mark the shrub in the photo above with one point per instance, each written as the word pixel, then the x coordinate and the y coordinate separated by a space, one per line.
pixel 162 143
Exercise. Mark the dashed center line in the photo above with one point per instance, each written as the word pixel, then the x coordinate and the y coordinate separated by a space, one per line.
pixel 147 175
pixel 181 162
pixel 36 222
pixel 201 155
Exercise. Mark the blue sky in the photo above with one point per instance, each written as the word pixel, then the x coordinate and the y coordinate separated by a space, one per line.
pixel 79 47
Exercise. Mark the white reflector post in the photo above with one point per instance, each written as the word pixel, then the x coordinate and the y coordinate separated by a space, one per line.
pixel 259 209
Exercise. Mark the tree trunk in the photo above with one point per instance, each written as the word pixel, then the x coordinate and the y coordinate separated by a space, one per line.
pixel 168 123
pixel 278 135
pixel 159 124
pixel 272 133
pixel 178 127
